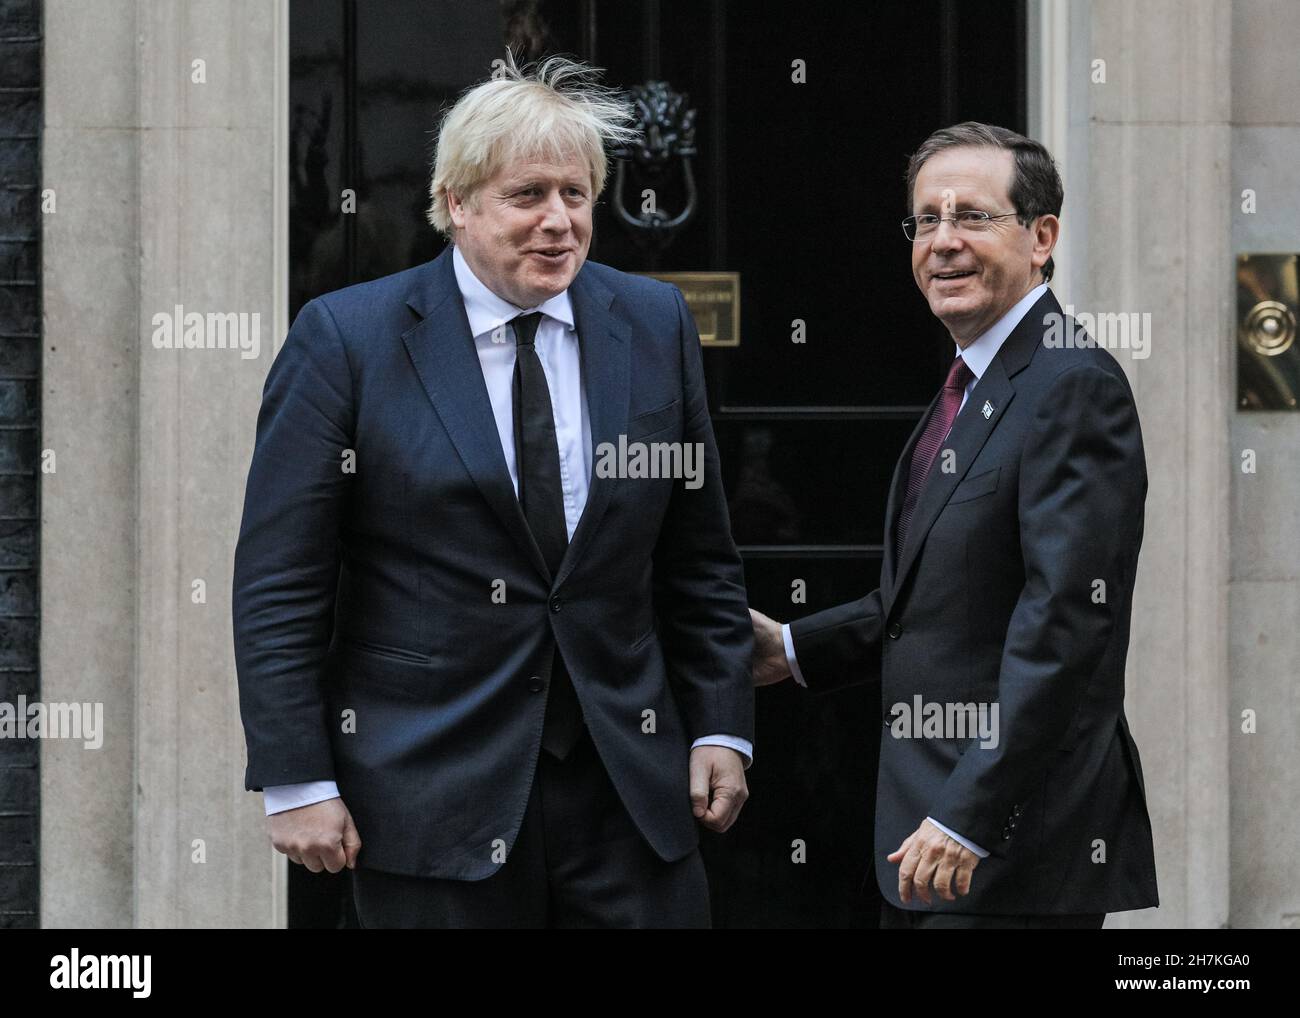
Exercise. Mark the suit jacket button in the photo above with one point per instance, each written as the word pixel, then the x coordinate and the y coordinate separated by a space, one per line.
pixel 895 630
pixel 555 604
pixel 1006 834
pixel 535 684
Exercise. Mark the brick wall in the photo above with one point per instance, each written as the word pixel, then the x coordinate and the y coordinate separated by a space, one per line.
pixel 20 420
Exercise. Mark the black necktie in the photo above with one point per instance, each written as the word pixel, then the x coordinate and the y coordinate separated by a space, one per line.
pixel 537 462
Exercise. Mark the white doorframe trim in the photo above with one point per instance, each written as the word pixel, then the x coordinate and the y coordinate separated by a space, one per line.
pixel 1047 83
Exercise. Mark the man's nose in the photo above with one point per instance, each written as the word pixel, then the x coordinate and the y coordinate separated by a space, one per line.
pixel 556 214
pixel 946 236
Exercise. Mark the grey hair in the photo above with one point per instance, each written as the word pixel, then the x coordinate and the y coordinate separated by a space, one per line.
pixel 1035 183
pixel 552 111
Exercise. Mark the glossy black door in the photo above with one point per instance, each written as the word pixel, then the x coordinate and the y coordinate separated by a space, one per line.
pixel 801 192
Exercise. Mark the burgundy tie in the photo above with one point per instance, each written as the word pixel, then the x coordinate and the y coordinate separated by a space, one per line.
pixel 927 446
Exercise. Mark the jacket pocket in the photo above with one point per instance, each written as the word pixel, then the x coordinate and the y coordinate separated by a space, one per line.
pixel 384 650
pixel 976 487
pixel 645 637
pixel 654 420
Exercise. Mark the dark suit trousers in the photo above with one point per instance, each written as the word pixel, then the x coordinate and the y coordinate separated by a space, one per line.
pixel 893 918
pixel 578 861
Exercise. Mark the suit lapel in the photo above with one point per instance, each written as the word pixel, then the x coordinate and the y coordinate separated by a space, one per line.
pixel 897 492
pixel 442 350
pixel 605 349
pixel 969 432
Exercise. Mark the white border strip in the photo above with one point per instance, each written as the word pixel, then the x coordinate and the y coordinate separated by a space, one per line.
pixel 1048 25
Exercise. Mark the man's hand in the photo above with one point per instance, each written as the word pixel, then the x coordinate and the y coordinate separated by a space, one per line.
pixel 927 853
pixel 718 789
pixel 320 836
pixel 768 663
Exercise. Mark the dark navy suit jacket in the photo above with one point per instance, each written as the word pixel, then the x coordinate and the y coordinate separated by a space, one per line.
pixel 996 598
pixel 379 520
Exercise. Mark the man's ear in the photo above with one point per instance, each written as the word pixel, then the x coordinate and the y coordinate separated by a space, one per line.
pixel 1046 231
pixel 458 203
pixel 455 209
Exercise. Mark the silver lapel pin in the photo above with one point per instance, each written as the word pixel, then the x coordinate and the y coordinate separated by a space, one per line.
pixel 987 410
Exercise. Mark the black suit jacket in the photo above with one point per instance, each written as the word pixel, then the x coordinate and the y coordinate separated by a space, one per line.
pixel 371 591
pixel 996 598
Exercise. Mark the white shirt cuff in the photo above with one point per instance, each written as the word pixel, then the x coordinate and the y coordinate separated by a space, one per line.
pixel 279 798
pixel 742 746
pixel 788 640
pixel 959 839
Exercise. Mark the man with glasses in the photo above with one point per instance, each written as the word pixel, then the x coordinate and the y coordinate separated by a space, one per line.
pixel 1010 791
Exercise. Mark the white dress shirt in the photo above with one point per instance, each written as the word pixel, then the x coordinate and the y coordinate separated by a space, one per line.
pixel 557 349
pixel 978 356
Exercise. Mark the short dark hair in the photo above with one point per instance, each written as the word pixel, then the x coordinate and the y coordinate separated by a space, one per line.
pixel 1035 184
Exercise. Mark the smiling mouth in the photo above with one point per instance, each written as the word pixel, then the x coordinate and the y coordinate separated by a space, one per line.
pixel 952 275
pixel 551 254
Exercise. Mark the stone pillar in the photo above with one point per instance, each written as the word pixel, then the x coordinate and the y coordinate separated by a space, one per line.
pixel 164 141
pixel 1158 240
pixel 1264 595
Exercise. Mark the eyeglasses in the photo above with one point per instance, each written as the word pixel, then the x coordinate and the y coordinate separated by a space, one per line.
pixel 968 220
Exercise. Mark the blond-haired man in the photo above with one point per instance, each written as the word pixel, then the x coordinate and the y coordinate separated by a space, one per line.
pixel 499 684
